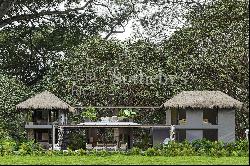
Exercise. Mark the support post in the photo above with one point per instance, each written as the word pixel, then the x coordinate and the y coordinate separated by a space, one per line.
pixel 131 138
pixel 168 117
pixel 60 136
pixel 53 137
pixel 172 133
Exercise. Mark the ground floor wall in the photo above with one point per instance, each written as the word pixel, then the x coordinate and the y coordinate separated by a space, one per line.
pixel 159 135
pixel 43 136
pixel 192 135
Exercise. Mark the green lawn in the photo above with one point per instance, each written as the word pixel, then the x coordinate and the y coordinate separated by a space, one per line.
pixel 121 159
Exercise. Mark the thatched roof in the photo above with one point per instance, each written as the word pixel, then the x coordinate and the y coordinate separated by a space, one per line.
pixel 44 100
pixel 202 99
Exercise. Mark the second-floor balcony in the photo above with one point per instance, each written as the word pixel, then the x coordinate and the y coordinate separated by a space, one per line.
pixel 39 125
pixel 44 119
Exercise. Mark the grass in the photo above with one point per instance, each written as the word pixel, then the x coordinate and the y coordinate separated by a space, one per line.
pixel 121 159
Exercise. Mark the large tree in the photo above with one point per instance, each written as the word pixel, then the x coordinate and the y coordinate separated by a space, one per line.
pixel 35 34
pixel 213 51
pixel 100 16
pixel 11 93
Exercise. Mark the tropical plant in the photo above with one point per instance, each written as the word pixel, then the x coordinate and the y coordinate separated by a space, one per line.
pixel 89 114
pixel 127 113
pixel 7 146
pixel 29 147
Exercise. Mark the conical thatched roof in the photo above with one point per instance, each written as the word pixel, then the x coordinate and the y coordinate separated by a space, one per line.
pixel 44 100
pixel 202 99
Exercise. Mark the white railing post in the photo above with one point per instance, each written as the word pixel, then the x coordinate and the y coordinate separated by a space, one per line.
pixel 172 133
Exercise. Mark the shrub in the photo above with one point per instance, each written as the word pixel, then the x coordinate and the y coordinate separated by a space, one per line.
pixel 101 153
pixel 50 153
pixel 81 152
pixel 135 151
pixel 215 148
pixel 151 152
pixel 179 149
pixel 69 152
pixel 7 146
pixel 202 146
pixel 30 147
pixel 240 148
pixel 199 147
pixel 124 152
pixel 90 113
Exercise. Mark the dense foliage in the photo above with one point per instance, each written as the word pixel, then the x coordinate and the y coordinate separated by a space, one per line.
pixel 12 120
pixel 196 148
pixel 34 34
pixel 213 52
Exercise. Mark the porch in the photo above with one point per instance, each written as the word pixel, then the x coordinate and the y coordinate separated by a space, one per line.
pixel 114 135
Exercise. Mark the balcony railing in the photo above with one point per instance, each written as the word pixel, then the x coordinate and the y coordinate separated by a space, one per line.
pixel 40 123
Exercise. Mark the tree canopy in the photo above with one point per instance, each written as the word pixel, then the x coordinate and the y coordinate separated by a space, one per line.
pixel 38 32
pixel 12 92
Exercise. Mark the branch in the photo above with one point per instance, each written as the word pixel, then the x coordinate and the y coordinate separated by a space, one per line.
pixel 119 22
pixel 112 32
pixel 28 7
pixel 5 6
pixel 43 13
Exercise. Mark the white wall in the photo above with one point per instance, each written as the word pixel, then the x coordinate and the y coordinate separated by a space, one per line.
pixel 194 118
pixel 192 135
pixel 226 125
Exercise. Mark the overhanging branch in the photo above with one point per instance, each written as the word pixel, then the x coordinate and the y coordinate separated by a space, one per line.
pixel 40 14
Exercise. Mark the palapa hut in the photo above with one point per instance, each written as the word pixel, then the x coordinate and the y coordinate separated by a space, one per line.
pixel 44 112
pixel 202 114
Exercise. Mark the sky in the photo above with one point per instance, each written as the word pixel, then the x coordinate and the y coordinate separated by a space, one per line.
pixel 125 35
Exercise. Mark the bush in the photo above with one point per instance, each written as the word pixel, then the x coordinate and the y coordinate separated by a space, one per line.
pixel 7 146
pixel 81 152
pixel 101 153
pixel 179 149
pixel 30 147
pixel 202 146
pixel 151 152
pixel 135 151
pixel 199 147
pixel 239 148
pixel 69 152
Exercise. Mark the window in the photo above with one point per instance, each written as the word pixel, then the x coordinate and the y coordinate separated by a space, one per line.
pixel 174 120
pixel 210 134
pixel 39 136
pixel 182 117
pixel 39 114
pixel 178 117
pixel 42 136
pixel 210 117
pixel 180 135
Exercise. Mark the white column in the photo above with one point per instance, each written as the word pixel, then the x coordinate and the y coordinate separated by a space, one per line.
pixel 61 117
pixel 53 136
pixel 168 117
pixel 172 133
